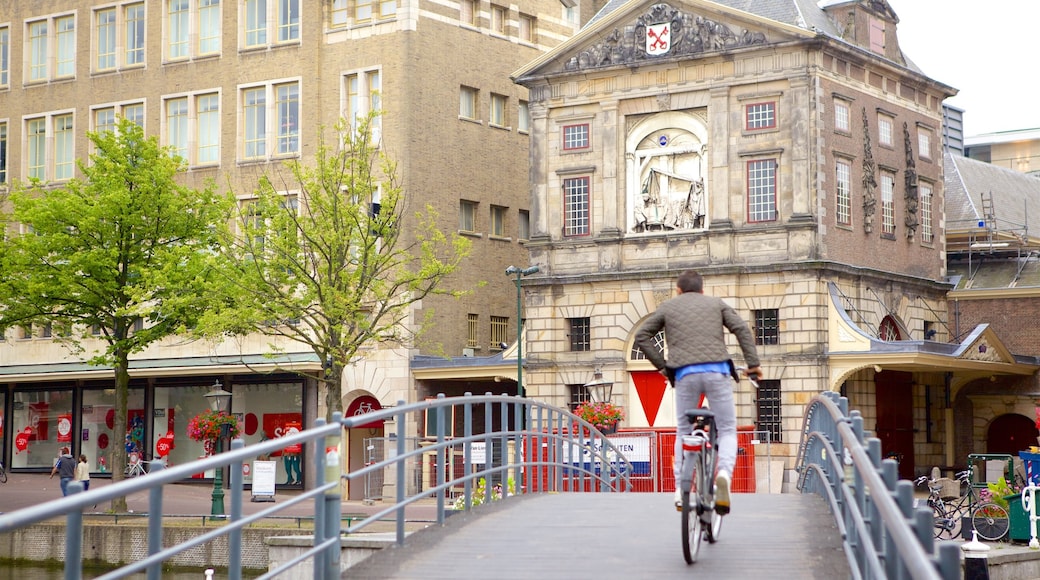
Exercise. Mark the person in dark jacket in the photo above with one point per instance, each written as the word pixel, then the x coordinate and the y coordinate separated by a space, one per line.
pixel 65 467
pixel 699 364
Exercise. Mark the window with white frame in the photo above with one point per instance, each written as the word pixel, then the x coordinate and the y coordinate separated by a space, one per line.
pixel 186 20
pixel 274 104
pixel 178 16
pixel 369 10
pixel 524 222
pixel 888 212
pixel 209 22
pixel 338 13
pixel 467 215
pixel 363 90
pixel 105 28
pixel 3 152
pixel 270 22
pixel 576 206
pixel 193 127
pixel 498 18
pixel 759 116
pixel 843 192
pixel 50 147
pixel 57 33
pixel 5 56
pixel 761 179
pixel 842 116
pixel 498 110
pixel 576 137
pixel 885 124
pixel 134 28
pixel 467 102
pixel 498 221
pixel 527 27
pixel 104 117
pixel 924 143
pixel 927 233
pixel 523 117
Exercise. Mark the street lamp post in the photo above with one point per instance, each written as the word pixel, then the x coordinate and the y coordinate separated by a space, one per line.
pixel 519 325
pixel 219 401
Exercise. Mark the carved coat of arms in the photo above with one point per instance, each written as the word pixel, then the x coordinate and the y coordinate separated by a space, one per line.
pixel 658 39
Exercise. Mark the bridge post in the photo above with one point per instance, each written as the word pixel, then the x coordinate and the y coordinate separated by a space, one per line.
pixel 976 559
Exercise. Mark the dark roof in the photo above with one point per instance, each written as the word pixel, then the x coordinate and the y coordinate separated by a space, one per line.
pixel 1014 197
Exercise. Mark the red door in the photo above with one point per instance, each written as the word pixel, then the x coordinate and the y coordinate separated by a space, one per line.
pixel 895 418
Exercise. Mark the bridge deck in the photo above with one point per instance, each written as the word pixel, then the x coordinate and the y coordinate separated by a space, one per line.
pixel 606 535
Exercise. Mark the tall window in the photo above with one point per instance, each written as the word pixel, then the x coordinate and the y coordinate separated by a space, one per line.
pixel 498 110
pixel 363 94
pixel 134 112
pixel 760 116
pixel 467 216
pixel 468 103
pixel 209 26
pixel 36 140
pixel 578 332
pixel 499 332
pixel 38 50
pixel 106 38
pixel 927 234
pixel 208 138
pixel 277 105
pixel 177 126
pixel 64 158
pixel 843 192
pixel 767 326
pixel 468 12
pixel 525 225
pixel 523 117
pixel 576 137
pixel 842 118
pixel 888 212
pixel 288 20
pixel 498 221
pixel 177 19
pixel 194 121
pixel 498 18
pixel 66 46
pixel 761 177
pixel 134 26
pixel 924 143
pixel 768 406
pixel 3 152
pixel 256 23
pixel 338 13
pixel 108 22
pixel 472 327
pixel 527 28
pixel 576 206
pixel 5 56
pixel 885 124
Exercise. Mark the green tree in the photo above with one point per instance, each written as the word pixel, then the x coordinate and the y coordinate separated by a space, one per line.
pixel 328 257
pixel 123 245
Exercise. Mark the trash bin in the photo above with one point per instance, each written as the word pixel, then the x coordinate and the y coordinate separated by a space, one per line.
pixel 744 479
pixel 1018 526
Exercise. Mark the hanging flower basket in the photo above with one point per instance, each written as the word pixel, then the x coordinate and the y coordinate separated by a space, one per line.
pixel 604 416
pixel 206 426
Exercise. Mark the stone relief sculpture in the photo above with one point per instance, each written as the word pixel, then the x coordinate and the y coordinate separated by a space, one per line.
pixel 869 178
pixel 911 186
pixel 661 31
pixel 671 183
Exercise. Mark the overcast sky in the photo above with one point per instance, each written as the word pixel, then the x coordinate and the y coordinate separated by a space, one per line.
pixel 987 50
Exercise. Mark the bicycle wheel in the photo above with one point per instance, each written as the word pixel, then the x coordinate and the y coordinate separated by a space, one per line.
pixel 711 519
pixel 990 521
pixel 948 522
pixel 691 521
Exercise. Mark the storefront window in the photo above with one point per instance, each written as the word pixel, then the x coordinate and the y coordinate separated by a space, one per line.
pixel 99 438
pixel 42 425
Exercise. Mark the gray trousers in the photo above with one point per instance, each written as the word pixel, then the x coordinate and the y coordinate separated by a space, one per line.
pixel 718 388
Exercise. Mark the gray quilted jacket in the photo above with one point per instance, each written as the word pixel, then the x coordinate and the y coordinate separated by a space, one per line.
pixel 693 324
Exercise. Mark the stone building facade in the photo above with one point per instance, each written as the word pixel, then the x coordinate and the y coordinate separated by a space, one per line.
pixel 791 154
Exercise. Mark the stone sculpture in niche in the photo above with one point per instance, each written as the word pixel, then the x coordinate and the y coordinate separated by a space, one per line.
pixel 671 193
pixel 670 32
pixel 911 186
pixel 869 178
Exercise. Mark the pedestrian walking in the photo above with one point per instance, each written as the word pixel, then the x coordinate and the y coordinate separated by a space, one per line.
pixel 65 468
pixel 83 472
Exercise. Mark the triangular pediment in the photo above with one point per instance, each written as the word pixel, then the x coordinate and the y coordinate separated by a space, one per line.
pixel 643 32
pixel 983 344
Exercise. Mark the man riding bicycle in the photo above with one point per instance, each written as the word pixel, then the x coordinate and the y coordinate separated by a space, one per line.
pixel 699 364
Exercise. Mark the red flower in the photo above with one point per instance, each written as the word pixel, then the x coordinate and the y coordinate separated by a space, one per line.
pixel 206 426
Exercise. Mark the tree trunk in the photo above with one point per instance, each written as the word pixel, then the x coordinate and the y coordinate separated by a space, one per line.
pixel 120 427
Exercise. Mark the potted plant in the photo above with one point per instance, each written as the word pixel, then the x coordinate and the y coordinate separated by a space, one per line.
pixel 207 426
pixel 604 416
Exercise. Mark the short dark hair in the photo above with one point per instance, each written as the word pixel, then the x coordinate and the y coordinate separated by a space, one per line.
pixel 690 281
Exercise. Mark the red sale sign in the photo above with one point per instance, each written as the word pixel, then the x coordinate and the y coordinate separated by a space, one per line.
pixel 64 428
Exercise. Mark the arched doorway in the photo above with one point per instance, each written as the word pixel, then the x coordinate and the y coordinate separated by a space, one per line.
pixel 1010 434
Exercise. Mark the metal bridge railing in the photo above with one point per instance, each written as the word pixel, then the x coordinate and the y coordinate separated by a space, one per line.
pixel 884 536
pixel 550 450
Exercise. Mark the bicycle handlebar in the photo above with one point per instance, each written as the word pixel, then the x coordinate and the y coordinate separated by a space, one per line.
pixel 753 379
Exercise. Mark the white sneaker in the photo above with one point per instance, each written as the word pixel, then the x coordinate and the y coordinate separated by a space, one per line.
pixel 678 499
pixel 722 493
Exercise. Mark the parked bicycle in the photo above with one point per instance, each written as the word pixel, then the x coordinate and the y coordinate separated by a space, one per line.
pixel 988 519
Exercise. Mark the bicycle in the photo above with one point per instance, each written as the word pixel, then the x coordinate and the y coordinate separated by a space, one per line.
pixel 700 518
pixel 3 473
pixel 989 519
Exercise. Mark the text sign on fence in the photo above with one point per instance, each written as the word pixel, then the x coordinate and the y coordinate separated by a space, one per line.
pixel 635 449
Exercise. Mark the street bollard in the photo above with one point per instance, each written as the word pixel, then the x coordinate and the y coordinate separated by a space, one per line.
pixel 976 565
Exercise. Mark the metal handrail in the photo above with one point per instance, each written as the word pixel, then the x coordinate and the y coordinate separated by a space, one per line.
pixel 883 535
pixel 578 457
